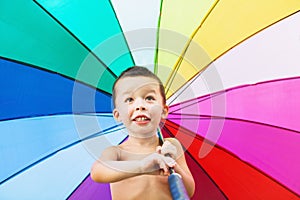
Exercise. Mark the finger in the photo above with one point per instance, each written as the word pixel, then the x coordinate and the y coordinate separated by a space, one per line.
pixel 168 148
pixel 166 143
pixel 165 163
pixel 170 162
pixel 167 173
pixel 158 149
pixel 169 152
pixel 163 166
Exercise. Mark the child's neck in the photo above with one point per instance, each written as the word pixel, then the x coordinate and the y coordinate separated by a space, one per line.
pixel 145 142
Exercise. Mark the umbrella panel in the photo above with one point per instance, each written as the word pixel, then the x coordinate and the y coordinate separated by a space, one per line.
pixel 237 178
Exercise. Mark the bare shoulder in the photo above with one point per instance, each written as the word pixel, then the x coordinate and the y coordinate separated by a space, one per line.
pixel 110 153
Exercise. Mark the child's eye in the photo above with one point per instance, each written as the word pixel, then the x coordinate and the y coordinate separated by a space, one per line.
pixel 150 98
pixel 128 100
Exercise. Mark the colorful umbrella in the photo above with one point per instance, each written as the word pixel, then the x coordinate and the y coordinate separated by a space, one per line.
pixel 231 72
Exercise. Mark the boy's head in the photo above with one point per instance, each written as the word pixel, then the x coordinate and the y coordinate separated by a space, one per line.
pixel 139 101
pixel 138 71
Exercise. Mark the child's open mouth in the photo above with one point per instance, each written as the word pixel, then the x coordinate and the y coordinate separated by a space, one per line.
pixel 141 119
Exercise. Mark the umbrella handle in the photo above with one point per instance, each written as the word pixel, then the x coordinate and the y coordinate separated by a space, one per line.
pixel 177 188
pixel 176 185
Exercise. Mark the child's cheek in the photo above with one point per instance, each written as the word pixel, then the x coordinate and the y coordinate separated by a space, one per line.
pixel 157 109
pixel 128 109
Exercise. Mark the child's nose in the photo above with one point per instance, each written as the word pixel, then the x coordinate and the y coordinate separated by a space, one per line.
pixel 140 105
pixel 140 108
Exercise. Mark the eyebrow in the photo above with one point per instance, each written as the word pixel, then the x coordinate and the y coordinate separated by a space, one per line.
pixel 146 92
pixel 151 91
pixel 125 93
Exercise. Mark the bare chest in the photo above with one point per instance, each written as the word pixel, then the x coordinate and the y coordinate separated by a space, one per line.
pixel 136 154
pixel 142 187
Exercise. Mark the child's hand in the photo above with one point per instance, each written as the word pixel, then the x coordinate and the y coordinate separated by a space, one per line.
pixel 155 162
pixel 167 149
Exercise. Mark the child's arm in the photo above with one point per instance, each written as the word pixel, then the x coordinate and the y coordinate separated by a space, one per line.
pixel 106 168
pixel 181 165
pixel 109 169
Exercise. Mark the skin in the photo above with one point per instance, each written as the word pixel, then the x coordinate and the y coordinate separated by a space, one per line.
pixel 138 168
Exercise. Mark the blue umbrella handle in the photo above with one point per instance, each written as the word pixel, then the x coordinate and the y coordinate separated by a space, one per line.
pixel 176 185
pixel 177 188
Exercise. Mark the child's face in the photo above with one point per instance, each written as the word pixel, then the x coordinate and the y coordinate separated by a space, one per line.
pixel 139 105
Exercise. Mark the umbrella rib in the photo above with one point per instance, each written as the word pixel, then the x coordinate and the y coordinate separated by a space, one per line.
pixel 185 131
pixel 192 157
pixel 157 39
pixel 111 130
pixel 208 96
pixel 52 114
pixel 179 60
pixel 52 72
pixel 78 186
pixel 204 68
pixel 190 81
pixel 77 39
pixel 209 117
pixel 198 100
pixel 113 9
pixel 100 133
pixel 188 84
pixel 102 114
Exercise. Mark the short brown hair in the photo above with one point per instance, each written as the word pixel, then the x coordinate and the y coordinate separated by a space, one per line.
pixel 139 71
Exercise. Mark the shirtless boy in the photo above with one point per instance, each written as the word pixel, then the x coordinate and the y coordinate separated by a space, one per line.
pixel 138 168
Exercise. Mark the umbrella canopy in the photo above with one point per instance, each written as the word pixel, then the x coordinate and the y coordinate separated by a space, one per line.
pixel 231 73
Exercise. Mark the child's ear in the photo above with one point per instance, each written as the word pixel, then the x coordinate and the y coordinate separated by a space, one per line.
pixel 116 115
pixel 165 112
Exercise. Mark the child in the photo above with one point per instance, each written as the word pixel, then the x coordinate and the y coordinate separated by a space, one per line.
pixel 138 168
